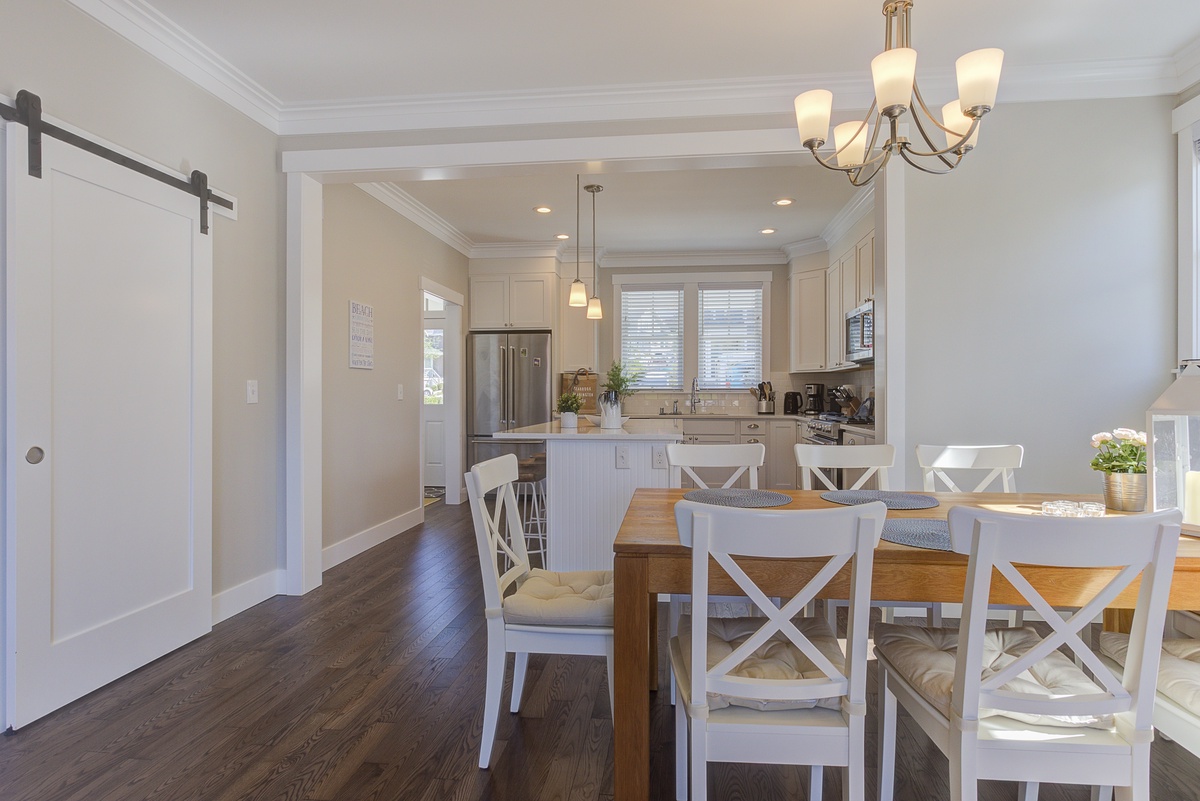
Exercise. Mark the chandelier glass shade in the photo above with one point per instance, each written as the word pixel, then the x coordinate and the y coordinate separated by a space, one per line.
pixel 944 138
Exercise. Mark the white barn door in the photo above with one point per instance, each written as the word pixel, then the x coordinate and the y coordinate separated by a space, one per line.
pixel 108 463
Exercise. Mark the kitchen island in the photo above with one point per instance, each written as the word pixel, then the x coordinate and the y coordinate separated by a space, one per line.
pixel 591 473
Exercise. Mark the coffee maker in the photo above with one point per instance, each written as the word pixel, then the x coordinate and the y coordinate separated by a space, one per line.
pixel 814 399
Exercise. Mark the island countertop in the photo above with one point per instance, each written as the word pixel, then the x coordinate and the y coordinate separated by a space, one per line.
pixel 652 429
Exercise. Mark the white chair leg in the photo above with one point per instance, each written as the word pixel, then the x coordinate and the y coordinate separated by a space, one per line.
pixel 681 753
pixel 935 616
pixel 831 615
pixel 1016 617
pixel 520 662
pixel 1102 793
pixel 1027 791
pixel 816 782
pixel 964 769
pixel 491 697
pixel 674 612
pixel 887 614
pixel 698 748
pixel 887 739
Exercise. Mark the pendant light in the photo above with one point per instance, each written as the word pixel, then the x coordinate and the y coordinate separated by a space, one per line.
pixel 594 309
pixel 578 295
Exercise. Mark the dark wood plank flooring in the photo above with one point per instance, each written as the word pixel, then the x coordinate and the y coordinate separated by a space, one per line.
pixel 371 688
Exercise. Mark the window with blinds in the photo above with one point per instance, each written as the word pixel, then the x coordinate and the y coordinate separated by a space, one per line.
pixel 652 335
pixel 730 337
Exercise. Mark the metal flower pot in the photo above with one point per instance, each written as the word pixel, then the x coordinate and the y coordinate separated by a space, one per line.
pixel 1125 492
pixel 610 409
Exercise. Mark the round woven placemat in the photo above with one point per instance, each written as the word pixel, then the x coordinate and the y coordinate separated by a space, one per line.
pixel 931 534
pixel 743 498
pixel 893 500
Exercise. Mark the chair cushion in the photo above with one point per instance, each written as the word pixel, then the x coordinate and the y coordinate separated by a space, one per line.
pixel 925 659
pixel 1178 667
pixel 549 598
pixel 778 658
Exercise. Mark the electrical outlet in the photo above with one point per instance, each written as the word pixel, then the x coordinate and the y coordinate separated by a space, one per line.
pixel 399 392
pixel 658 457
pixel 622 457
pixel 251 391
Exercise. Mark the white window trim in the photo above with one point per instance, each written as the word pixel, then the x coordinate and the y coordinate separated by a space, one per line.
pixel 1185 122
pixel 690 282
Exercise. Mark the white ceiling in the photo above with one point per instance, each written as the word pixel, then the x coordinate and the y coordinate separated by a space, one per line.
pixel 458 69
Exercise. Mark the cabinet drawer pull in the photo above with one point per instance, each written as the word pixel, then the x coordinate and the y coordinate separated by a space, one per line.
pixel 751 440
pixel 752 425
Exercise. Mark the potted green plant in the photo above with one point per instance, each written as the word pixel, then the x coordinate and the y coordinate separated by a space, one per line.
pixel 569 405
pixel 618 385
pixel 1122 459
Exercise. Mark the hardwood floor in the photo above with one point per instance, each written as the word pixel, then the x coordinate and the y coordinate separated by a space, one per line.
pixel 371 688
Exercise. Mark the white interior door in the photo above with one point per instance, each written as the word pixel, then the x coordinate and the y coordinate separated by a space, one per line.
pixel 433 410
pixel 108 347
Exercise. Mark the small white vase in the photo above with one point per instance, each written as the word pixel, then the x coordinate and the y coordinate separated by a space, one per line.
pixel 610 410
pixel 568 420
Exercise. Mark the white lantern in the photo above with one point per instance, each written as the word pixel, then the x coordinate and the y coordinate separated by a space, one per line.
pixel 1173 447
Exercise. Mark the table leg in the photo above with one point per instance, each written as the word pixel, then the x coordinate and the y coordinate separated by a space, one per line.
pixel 631 715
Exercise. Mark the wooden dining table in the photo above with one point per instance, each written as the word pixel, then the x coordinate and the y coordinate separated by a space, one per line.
pixel 649 559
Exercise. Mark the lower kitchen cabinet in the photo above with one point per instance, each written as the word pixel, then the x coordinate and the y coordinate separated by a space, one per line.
pixel 777 436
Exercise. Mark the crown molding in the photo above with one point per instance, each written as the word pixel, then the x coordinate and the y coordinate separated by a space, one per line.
pixel 144 27
pixel 742 258
pixel 859 206
pixel 407 206
pixel 806 247
pixel 514 250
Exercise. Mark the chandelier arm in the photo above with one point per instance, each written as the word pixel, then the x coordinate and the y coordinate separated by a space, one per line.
pixel 932 117
pixel 905 155
pixel 934 153
pixel 952 149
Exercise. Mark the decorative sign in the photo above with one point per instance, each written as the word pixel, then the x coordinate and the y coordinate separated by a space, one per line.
pixel 362 336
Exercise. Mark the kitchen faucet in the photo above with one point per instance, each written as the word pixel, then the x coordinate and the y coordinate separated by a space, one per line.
pixel 694 401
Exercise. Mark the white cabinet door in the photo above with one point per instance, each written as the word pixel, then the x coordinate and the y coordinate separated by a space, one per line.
pixel 530 300
pixel 865 258
pixel 849 273
pixel 108 458
pixel 488 301
pixel 807 326
pixel 757 431
pixel 835 335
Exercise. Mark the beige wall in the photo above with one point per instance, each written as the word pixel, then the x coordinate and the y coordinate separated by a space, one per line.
pixel 371 459
pixel 91 78
pixel 1041 281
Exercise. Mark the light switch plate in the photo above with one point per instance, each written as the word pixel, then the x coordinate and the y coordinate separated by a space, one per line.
pixel 251 391
pixel 622 457
pixel 399 392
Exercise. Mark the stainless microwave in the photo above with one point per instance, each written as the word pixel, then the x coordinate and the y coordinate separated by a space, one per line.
pixel 860 333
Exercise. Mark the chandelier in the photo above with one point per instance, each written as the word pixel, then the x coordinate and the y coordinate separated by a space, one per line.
pixel 894 74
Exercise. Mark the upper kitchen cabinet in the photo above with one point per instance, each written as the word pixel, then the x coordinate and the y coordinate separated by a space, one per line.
pixel 523 300
pixel 806 322
pixel 864 257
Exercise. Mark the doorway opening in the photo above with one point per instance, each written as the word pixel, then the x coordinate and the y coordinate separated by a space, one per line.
pixel 442 394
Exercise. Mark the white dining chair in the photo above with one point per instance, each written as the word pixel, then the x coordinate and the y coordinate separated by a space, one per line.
pixel 773 689
pixel 1008 704
pixel 968 461
pixel 1177 700
pixel 998 460
pixel 736 458
pixel 820 461
pixel 529 610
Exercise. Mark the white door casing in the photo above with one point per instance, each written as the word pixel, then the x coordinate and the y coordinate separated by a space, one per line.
pixel 433 418
pixel 108 346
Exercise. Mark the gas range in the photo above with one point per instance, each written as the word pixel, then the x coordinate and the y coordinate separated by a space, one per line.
pixel 820 431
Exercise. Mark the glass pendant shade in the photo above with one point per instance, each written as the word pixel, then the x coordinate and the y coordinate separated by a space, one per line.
pixel 812 115
pixel 852 148
pixel 894 72
pixel 959 124
pixel 979 78
pixel 578 295
pixel 594 310
pixel 1173 447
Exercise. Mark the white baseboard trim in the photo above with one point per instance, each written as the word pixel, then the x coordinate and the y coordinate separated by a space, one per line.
pixel 355 544
pixel 237 599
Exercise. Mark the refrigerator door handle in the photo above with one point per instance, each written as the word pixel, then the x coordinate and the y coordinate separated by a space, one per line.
pixel 503 387
pixel 512 386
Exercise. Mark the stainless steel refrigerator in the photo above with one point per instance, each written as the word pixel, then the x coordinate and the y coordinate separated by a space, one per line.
pixel 509 385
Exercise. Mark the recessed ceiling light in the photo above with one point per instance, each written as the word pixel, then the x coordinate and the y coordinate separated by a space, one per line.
pixel 767 231
pixel 783 201
pixel 563 236
pixel 542 209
